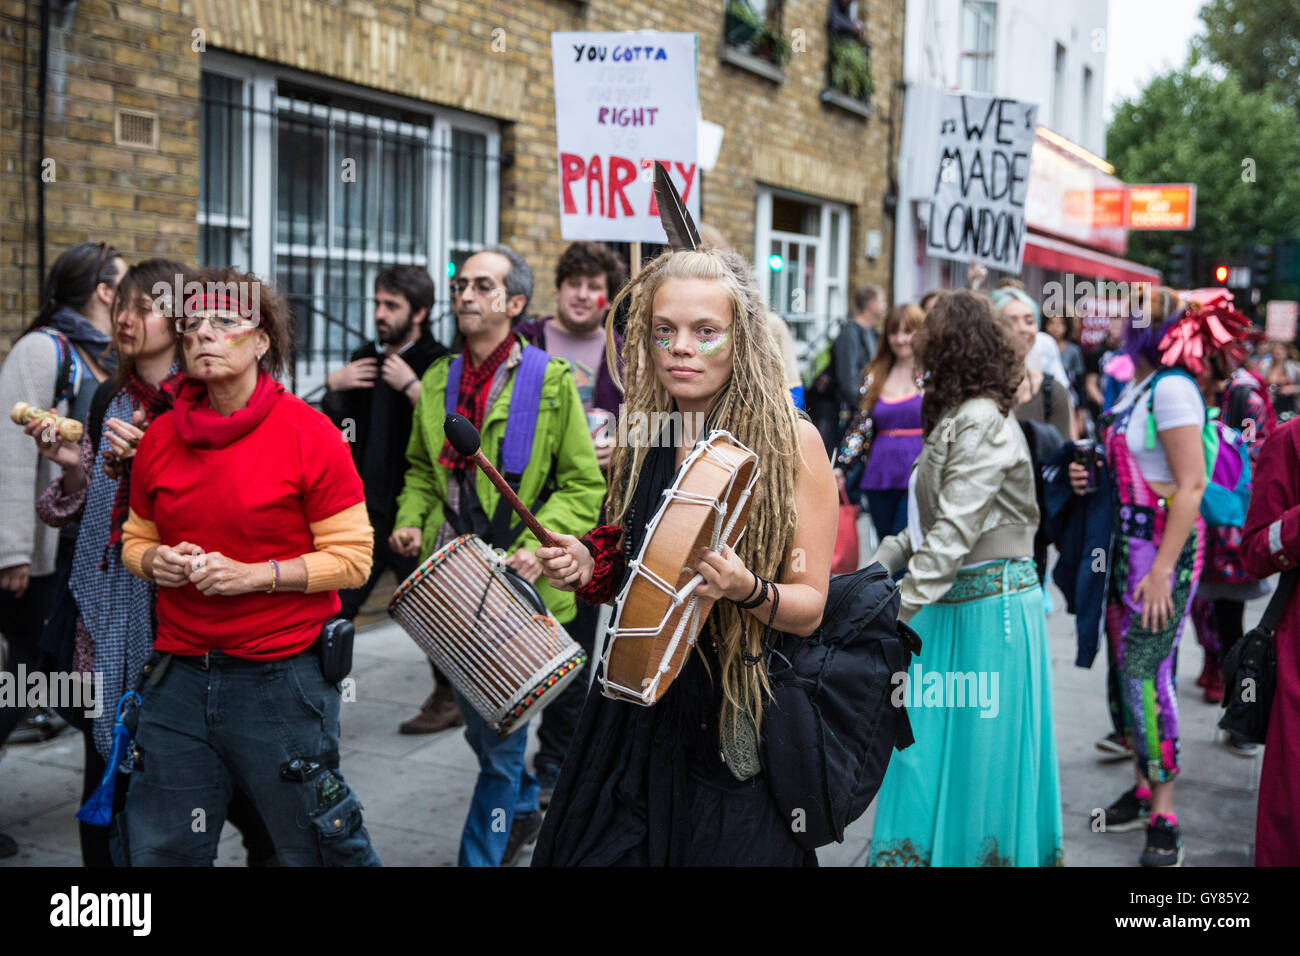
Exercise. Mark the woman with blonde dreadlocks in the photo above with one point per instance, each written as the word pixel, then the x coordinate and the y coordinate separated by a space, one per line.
pixel 679 783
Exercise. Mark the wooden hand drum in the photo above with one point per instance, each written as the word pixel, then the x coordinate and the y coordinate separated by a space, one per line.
pixel 659 616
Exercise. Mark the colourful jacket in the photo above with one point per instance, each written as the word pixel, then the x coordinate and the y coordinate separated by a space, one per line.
pixel 561 441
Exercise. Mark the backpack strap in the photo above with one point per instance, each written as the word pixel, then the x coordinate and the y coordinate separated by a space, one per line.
pixel 65 379
pixel 99 403
pixel 1151 401
pixel 525 402
pixel 521 426
pixel 1046 392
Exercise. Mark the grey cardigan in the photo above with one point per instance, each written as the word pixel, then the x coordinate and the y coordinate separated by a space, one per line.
pixel 28 375
pixel 975 500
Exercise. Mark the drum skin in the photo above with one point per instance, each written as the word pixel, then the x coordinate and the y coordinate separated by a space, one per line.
pixel 506 659
pixel 725 474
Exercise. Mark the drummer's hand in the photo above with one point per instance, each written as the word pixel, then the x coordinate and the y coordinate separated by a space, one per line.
pixel 569 566
pixel 725 575
pixel 406 541
pixel 525 564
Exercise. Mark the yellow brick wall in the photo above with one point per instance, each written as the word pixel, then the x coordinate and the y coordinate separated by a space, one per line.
pixel 141 55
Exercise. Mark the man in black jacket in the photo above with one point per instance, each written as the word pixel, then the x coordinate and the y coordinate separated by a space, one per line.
pixel 371 399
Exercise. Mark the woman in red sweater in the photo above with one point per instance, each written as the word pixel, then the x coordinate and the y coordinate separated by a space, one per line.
pixel 248 513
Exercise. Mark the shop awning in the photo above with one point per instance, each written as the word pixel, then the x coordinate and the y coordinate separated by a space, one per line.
pixel 1062 256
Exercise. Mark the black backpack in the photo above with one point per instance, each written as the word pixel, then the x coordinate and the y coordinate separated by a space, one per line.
pixel 1250 671
pixel 832 725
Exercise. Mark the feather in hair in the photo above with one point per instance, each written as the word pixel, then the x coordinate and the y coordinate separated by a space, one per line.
pixel 677 223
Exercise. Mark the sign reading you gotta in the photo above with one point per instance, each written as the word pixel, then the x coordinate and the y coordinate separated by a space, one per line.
pixel 623 101
pixel 980 176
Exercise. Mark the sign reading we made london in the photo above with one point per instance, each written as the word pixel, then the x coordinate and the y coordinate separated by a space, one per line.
pixel 623 101
pixel 974 162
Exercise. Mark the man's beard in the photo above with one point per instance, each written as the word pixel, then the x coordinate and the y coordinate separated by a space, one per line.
pixel 396 334
pixel 590 323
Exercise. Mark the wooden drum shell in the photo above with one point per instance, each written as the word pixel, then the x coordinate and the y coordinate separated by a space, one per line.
pixel 507 660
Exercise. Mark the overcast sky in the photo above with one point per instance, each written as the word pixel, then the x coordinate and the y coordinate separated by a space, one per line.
pixel 1146 38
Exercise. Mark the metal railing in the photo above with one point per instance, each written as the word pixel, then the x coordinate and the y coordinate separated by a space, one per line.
pixel 355 187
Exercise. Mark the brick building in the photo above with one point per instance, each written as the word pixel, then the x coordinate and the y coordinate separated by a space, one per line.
pixel 314 141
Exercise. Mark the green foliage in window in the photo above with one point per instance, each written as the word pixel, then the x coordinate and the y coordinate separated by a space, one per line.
pixel 851 68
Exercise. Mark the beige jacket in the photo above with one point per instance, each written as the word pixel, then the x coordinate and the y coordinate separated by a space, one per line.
pixel 975 499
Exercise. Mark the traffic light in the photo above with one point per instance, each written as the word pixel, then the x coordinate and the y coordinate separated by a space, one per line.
pixel 1182 265
pixel 1261 265
pixel 1221 274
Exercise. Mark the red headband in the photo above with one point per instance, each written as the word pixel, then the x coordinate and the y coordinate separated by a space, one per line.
pixel 214 301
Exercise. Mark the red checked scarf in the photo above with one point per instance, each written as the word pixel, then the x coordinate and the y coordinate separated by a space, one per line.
pixel 471 401
pixel 153 400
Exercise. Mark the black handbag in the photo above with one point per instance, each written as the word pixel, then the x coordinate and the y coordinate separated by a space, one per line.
pixel 1250 671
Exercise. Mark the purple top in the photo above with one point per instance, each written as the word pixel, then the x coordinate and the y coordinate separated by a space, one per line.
pixel 896 445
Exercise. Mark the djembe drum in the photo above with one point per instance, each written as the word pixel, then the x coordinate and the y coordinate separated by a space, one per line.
pixel 493 639
pixel 659 615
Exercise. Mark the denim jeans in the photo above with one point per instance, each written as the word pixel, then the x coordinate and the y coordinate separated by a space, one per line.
pixel 240 723
pixel 503 790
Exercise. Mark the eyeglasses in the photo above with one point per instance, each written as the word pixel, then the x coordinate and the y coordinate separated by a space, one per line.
pixel 482 286
pixel 219 321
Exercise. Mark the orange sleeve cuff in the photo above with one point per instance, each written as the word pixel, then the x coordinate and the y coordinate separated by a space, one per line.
pixel 138 536
pixel 345 545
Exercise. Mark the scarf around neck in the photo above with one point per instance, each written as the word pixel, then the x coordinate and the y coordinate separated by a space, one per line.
pixel 200 425
pixel 97 344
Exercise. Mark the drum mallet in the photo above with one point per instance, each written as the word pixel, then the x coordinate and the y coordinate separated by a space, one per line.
pixel 69 429
pixel 464 438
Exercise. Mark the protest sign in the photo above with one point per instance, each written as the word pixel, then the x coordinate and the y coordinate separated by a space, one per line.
pixel 623 101
pixel 979 173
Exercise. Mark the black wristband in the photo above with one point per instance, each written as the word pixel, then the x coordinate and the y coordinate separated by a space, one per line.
pixel 407 386
pixel 750 603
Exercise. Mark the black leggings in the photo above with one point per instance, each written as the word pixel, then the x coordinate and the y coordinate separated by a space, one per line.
pixel 1228 616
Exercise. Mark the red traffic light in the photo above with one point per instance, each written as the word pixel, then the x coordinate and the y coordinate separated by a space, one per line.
pixel 1220 273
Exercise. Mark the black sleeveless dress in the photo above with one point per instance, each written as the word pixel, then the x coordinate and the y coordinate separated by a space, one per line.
pixel 646 786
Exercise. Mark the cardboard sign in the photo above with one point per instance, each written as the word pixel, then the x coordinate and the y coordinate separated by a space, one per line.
pixel 623 101
pixel 1280 321
pixel 980 174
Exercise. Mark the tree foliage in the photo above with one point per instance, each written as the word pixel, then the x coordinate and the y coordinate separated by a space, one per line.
pixel 1259 40
pixel 1192 125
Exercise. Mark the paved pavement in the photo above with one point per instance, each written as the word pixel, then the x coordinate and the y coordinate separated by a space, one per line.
pixel 416 788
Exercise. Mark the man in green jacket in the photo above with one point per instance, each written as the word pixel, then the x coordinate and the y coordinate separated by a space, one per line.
pixel 444 496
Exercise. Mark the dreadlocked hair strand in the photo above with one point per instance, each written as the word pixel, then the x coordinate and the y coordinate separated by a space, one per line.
pixel 754 407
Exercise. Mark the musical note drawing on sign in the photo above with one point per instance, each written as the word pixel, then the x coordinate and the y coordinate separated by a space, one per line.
pixel 949 126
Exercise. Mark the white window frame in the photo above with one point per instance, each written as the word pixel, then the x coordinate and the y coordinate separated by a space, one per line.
pixel 812 327
pixel 967 50
pixel 259 91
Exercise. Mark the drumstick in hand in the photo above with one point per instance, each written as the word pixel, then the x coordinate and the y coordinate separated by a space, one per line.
pixel 464 438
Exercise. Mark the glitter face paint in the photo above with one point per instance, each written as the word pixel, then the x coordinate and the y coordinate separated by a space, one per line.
pixel 663 342
pixel 712 346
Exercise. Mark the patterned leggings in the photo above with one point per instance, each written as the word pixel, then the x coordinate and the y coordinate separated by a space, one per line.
pixel 1142 695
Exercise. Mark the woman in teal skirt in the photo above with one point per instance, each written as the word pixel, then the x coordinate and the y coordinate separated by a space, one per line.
pixel 981 785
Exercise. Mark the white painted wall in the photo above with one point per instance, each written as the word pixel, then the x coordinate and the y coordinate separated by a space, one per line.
pixel 1024 62
pixel 1027 33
